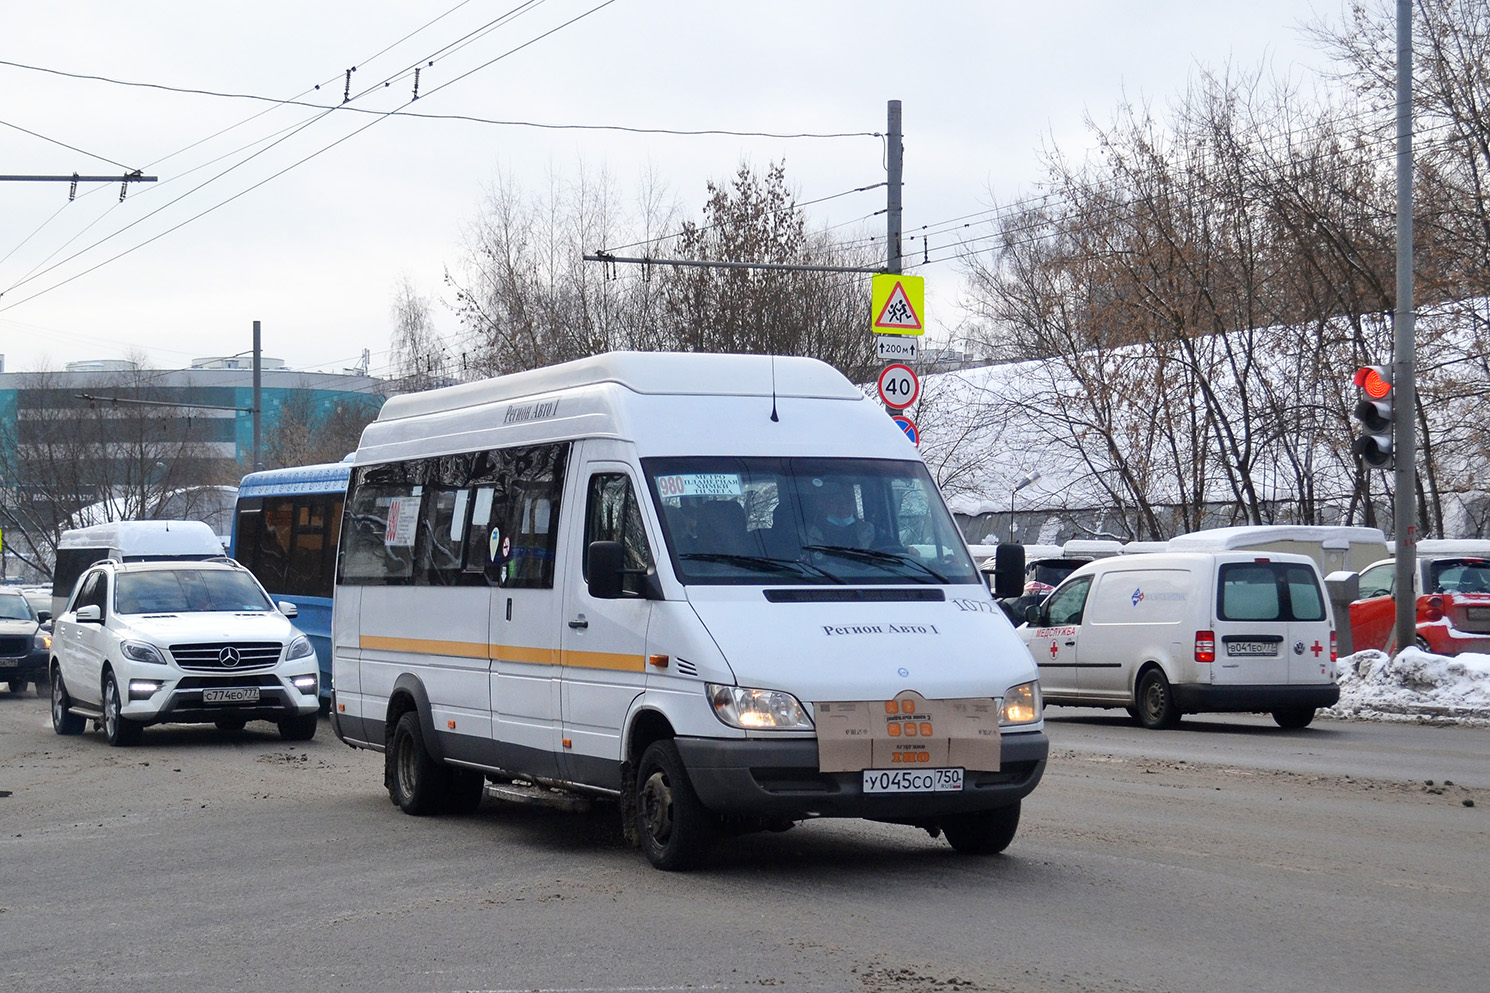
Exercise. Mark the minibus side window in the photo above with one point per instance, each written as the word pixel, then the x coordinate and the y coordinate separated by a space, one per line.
pixel 612 514
pixel 380 526
pixel 525 514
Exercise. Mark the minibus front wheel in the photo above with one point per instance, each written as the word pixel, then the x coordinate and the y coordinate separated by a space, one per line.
pixel 675 828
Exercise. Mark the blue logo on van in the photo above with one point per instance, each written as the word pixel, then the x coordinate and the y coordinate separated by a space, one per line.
pixel 1137 596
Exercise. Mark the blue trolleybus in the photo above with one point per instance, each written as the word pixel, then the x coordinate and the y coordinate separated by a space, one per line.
pixel 285 530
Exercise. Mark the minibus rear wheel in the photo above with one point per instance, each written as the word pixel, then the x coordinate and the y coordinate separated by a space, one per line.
pixel 675 828
pixel 417 781
pixel 982 832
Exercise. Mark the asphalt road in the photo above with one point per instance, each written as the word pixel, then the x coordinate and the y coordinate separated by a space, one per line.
pixel 1225 855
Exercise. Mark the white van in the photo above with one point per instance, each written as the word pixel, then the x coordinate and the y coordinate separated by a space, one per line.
pixel 128 541
pixel 1170 633
pixel 721 589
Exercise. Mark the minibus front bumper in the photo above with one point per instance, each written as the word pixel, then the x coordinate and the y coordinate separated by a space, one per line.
pixel 780 779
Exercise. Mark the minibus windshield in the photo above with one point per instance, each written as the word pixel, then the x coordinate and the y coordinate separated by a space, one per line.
pixel 730 520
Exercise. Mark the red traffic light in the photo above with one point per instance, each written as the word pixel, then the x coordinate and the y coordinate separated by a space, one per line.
pixel 1376 380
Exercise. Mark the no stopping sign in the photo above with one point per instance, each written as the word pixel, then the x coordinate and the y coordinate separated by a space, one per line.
pixel 898 386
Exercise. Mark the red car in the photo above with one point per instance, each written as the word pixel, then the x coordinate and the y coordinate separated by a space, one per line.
pixel 1453 600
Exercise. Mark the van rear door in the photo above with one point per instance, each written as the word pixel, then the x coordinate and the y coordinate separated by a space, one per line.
pixel 1251 625
pixel 1271 623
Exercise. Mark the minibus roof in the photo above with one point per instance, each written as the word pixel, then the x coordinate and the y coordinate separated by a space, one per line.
pixel 661 373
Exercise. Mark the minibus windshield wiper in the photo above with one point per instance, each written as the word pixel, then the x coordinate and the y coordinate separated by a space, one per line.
pixel 878 557
pixel 763 563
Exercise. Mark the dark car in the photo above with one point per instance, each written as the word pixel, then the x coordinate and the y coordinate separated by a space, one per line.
pixel 23 644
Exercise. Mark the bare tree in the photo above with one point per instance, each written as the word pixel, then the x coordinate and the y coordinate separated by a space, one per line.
pixel 419 357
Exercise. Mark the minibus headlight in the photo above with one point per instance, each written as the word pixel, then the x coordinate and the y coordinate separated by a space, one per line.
pixel 299 649
pixel 751 709
pixel 1021 704
pixel 139 651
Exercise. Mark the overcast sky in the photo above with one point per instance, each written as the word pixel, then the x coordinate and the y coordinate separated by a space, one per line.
pixel 312 235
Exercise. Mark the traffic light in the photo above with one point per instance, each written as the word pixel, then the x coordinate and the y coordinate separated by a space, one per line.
pixel 1374 412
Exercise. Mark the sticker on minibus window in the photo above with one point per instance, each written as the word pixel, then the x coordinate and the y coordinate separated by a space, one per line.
pixel 403 516
pixel 717 484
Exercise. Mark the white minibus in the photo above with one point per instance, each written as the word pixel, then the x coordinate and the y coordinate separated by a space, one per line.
pixel 722 590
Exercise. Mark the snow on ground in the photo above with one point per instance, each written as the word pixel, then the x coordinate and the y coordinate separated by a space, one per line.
pixel 1414 686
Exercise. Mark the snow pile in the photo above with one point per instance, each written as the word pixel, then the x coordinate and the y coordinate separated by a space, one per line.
pixel 1414 685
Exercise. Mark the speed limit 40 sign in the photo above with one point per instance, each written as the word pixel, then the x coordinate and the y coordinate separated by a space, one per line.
pixel 898 386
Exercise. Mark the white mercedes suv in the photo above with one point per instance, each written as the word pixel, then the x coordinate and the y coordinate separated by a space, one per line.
pixel 195 642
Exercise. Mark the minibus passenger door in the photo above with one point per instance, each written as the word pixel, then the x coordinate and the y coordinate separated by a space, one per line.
pixel 1053 640
pixel 604 637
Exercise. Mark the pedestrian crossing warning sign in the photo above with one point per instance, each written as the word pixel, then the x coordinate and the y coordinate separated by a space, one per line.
pixel 898 304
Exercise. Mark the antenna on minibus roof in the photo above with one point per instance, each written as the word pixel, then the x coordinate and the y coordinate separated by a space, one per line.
pixel 774 418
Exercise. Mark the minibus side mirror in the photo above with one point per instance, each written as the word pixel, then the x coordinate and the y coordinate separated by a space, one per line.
pixel 91 614
pixel 1008 570
pixel 604 561
pixel 287 608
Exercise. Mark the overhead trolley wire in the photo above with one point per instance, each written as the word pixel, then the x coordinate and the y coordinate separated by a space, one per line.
pixel 301 161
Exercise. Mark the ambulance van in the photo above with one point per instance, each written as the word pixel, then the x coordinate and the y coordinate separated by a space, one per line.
pixel 722 590
pixel 1164 634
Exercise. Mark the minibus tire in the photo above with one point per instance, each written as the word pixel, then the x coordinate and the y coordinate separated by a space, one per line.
pixel 674 827
pixel 119 730
pixel 1156 707
pixel 982 832
pixel 63 722
pixel 417 781
pixel 1294 718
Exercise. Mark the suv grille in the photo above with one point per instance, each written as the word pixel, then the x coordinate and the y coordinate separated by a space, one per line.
pixel 221 656
pixel 14 646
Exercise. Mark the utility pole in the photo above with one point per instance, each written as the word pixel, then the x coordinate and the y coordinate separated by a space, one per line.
pixel 894 163
pixel 1404 443
pixel 258 397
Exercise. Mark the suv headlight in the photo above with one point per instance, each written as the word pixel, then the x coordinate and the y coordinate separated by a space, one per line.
pixel 41 642
pixel 299 649
pixel 1021 704
pixel 139 651
pixel 751 709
